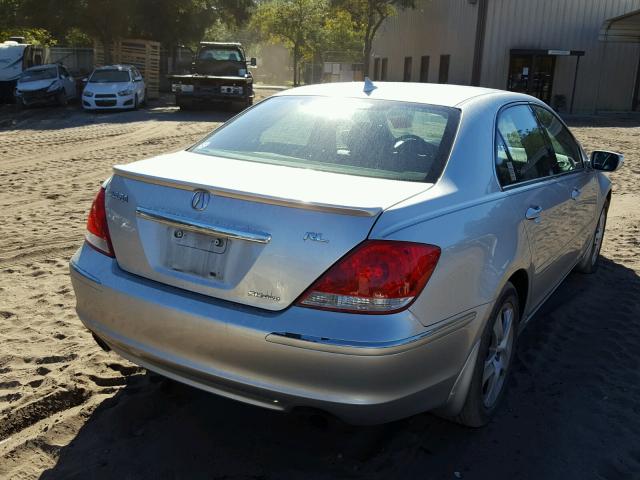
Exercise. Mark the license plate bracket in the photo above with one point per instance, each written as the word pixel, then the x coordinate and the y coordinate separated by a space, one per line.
pixel 196 253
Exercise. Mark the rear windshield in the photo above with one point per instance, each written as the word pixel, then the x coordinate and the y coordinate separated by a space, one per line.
pixel 40 74
pixel 109 76
pixel 365 137
pixel 217 53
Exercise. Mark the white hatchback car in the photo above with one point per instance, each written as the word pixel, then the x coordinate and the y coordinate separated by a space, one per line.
pixel 114 87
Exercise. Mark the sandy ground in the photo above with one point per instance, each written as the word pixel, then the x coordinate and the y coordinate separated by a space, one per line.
pixel 69 410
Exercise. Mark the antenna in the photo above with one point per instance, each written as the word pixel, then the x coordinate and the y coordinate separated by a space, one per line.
pixel 368 86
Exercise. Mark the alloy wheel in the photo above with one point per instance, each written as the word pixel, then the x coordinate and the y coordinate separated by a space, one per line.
pixel 597 239
pixel 498 357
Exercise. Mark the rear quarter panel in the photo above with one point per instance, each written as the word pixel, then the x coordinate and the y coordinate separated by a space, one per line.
pixel 479 229
pixel 482 245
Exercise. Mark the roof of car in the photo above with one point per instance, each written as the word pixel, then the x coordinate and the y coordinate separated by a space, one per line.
pixel 115 67
pixel 221 44
pixel 430 93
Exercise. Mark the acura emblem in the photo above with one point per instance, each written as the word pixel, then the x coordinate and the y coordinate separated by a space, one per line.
pixel 200 200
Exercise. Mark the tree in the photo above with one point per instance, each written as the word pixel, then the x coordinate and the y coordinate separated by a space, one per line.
pixel 343 38
pixel 94 20
pixel 175 22
pixel 296 23
pixel 170 22
pixel 369 14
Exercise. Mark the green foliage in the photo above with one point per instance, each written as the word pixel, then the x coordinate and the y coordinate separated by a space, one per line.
pixel 170 22
pixel 343 39
pixel 76 38
pixel 36 36
pixel 298 24
pixel 222 31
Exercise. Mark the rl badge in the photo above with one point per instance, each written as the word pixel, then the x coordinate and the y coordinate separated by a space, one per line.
pixel 315 237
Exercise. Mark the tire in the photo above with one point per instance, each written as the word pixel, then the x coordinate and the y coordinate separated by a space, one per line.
pixel 61 98
pixel 486 389
pixel 182 104
pixel 590 260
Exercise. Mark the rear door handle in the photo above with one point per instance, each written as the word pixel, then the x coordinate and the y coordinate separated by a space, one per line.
pixel 533 213
pixel 575 193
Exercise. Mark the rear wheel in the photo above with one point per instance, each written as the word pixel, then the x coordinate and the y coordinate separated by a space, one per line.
pixel 589 263
pixel 495 356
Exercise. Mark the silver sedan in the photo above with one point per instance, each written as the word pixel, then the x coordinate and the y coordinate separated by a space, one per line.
pixel 367 250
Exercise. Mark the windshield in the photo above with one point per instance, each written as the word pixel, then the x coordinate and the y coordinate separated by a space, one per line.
pixel 41 74
pixel 217 53
pixel 374 138
pixel 109 76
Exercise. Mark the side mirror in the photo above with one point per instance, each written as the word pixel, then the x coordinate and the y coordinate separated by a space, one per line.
pixel 253 62
pixel 606 161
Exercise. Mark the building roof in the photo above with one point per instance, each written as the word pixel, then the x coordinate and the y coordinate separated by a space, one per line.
pixel 625 28
pixel 431 93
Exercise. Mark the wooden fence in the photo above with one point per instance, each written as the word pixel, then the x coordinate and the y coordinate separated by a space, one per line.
pixel 143 54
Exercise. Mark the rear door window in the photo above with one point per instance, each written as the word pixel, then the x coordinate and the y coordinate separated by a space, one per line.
pixel 567 150
pixel 522 150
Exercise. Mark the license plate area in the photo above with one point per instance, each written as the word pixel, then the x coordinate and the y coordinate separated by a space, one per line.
pixel 196 253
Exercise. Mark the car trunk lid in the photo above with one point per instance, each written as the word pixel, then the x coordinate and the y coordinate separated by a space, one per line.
pixel 242 231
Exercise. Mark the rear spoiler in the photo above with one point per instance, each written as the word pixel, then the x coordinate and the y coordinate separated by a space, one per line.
pixel 121 170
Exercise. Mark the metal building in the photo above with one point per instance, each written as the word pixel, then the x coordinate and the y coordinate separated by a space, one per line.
pixel 577 55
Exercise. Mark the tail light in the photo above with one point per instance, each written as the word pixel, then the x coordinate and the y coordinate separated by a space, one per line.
pixel 97 234
pixel 378 276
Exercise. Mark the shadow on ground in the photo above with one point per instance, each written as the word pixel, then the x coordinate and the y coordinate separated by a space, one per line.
pixel 57 118
pixel 571 412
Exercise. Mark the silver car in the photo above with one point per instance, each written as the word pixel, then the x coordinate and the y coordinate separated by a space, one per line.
pixel 367 250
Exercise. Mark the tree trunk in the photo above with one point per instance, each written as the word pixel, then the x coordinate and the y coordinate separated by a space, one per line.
pixel 296 53
pixel 366 58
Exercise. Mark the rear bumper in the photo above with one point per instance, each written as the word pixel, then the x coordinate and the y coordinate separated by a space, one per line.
pixel 239 352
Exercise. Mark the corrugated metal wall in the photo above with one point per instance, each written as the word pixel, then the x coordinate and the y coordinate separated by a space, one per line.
pixel 436 27
pixel 607 71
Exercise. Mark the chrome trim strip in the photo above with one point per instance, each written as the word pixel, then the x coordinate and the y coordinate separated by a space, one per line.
pixel 346 347
pixel 198 227
pixel 282 202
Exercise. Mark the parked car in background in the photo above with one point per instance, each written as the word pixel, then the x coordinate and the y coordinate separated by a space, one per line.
pixel 45 84
pixel 368 250
pixel 114 87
